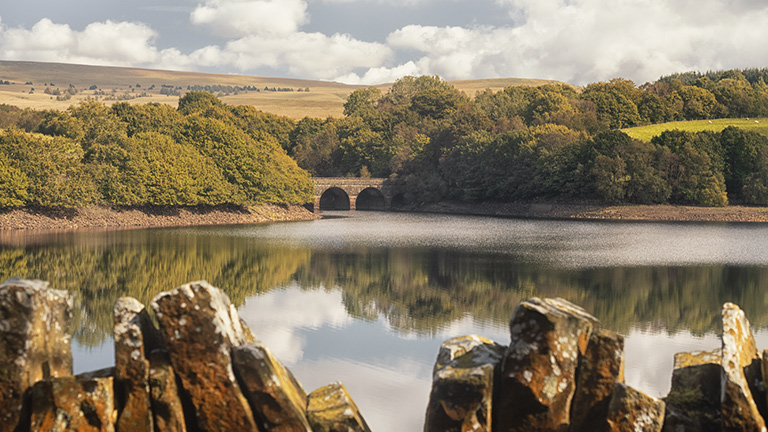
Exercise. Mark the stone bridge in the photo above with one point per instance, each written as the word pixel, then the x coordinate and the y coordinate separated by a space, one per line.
pixel 354 193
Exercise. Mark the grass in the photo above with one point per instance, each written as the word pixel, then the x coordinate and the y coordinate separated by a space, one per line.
pixel 325 99
pixel 645 133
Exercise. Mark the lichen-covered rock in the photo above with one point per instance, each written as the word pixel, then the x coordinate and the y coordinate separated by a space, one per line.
pixel 539 367
pixel 600 368
pixel 167 408
pixel 34 341
pixel 331 409
pixel 132 323
pixel 79 404
pixel 463 385
pixel 277 399
pixel 741 366
pixel 693 402
pixel 200 327
pixel 633 411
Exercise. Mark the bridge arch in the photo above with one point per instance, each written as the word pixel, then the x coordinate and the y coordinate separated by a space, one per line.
pixel 371 199
pixel 334 198
pixel 347 193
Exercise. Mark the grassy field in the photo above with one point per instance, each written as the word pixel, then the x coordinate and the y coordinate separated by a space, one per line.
pixel 113 84
pixel 645 133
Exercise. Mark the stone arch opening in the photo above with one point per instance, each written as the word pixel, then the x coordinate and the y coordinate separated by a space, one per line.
pixel 371 199
pixel 334 199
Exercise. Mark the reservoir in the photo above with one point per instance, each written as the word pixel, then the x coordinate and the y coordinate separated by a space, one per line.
pixel 366 298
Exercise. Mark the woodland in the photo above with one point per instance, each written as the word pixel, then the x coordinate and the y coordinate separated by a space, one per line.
pixel 553 141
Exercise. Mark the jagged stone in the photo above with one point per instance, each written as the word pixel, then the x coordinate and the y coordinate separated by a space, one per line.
pixel 600 368
pixel 200 327
pixel 539 367
pixel 277 399
pixel 34 341
pixel 693 402
pixel 134 336
pixel 73 404
pixel 331 409
pixel 633 411
pixel 741 366
pixel 463 385
pixel 167 408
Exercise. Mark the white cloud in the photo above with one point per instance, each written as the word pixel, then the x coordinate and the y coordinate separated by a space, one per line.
pixel 377 75
pixel 238 18
pixel 101 43
pixel 578 41
pixel 584 41
pixel 307 55
pixel 276 318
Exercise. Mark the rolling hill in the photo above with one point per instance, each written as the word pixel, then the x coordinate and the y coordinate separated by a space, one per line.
pixel 58 86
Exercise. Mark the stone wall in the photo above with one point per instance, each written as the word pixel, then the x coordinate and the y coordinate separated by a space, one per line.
pixel 561 372
pixel 201 370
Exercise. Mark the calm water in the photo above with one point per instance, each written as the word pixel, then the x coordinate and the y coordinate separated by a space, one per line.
pixel 367 298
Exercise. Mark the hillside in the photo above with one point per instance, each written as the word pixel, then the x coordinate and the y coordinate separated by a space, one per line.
pixel 645 133
pixel 35 85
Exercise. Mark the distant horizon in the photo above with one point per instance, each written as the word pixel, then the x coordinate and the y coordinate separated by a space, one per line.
pixel 372 42
pixel 286 78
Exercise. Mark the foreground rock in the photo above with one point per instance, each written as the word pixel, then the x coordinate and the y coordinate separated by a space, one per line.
pixel 200 327
pixel 601 367
pixel 463 384
pixel 693 402
pixel 34 341
pixel 73 404
pixel 741 365
pixel 167 408
pixel 633 411
pixel 331 409
pixel 538 376
pixel 277 399
pixel 132 328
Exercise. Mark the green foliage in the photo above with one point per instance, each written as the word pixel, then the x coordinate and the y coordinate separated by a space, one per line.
pixel 615 102
pixel 203 153
pixel 55 176
pixel 13 185
pixel 259 169
pixel 162 171
pixel 699 103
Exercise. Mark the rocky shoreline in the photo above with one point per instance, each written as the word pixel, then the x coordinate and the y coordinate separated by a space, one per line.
pixel 596 211
pixel 126 217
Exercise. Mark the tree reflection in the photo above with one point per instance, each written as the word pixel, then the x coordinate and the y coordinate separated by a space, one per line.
pixel 415 289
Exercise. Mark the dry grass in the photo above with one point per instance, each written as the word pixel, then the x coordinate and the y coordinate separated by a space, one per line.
pixel 324 98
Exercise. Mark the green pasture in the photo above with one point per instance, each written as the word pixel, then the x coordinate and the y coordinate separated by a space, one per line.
pixel 645 133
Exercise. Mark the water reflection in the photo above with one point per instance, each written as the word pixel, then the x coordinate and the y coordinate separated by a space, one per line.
pixel 368 299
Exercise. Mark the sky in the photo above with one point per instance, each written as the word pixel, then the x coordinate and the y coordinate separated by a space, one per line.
pixel 379 41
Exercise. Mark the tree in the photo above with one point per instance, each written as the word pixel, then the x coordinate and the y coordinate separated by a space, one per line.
pixel 161 171
pixel 698 103
pixel 51 165
pixel 362 102
pixel 13 185
pixel 615 102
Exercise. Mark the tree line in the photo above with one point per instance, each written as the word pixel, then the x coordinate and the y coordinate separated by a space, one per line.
pixel 203 153
pixel 550 141
pixel 520 143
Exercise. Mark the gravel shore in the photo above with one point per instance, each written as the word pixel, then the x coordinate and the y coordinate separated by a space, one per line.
pixel 125 217
pixel 587 211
